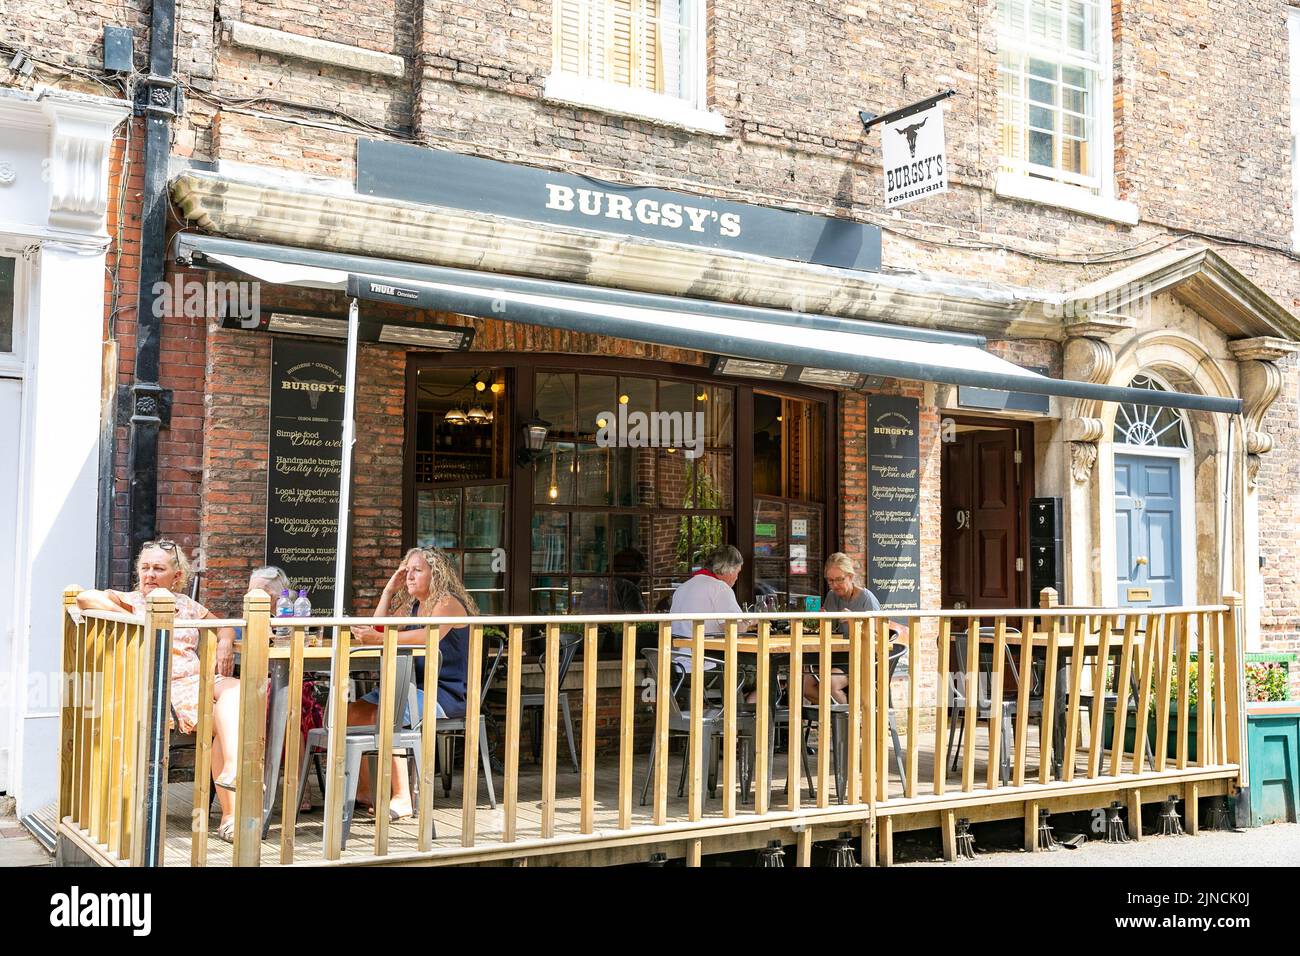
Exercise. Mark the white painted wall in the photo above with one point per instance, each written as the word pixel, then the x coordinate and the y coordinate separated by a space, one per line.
pixel 54 213
pixel 60 465
pixel 11 394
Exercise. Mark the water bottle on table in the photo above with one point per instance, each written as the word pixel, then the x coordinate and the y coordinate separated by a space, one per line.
pixel 283 608
pixel 302 608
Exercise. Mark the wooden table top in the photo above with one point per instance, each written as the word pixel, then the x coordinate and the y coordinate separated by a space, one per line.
pixel 776 644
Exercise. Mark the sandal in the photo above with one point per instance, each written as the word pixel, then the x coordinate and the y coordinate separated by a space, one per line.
pixel 226 831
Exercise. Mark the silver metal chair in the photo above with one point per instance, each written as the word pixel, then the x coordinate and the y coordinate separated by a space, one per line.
pixel 711 724
pixel 364 739
pixel 451 727
pixel 983 703
pixel 839 731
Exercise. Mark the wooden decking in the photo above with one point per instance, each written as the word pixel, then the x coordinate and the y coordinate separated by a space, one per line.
pixel 489 822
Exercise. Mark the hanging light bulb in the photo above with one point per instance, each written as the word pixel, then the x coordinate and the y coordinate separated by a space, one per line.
pixel 498 388
pixel 480 386
pixel 622 399
pixel 554 491
pixel 476 414
pixel 454 416
pixel 601 422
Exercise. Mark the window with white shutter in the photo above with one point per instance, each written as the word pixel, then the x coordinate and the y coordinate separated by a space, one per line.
pixel 1293 28
pixel 643 57
pixel 1053 85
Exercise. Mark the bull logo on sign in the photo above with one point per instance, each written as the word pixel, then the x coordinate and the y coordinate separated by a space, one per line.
pixel 910 132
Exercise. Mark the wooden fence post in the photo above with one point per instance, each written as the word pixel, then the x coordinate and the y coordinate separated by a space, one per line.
pixel 69 701
pixel 1233 675
pixel 251 755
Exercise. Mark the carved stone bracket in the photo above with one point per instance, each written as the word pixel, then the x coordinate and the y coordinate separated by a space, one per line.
pixel 1083 455
pixel 1261 383
pixel 1087 358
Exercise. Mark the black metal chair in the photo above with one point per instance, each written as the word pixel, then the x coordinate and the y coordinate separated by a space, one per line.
pixel 534 704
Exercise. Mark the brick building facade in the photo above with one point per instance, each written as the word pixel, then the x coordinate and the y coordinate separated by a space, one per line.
pixel 1193 154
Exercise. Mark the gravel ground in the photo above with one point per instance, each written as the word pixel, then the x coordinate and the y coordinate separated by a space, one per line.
pixel 1276 845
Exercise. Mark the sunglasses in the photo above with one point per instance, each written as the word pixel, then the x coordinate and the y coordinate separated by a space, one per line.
pixel 163 544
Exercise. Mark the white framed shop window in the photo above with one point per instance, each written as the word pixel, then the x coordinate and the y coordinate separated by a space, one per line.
pixel 1055 112
pixel 12 326
pixel 643 58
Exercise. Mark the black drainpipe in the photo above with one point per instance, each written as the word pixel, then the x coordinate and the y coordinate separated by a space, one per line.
pixel 145 402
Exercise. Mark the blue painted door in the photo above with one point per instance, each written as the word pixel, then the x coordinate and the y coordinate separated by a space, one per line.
pixel 1148 530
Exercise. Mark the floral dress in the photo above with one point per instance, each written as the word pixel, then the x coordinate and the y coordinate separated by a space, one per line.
pixel 185 658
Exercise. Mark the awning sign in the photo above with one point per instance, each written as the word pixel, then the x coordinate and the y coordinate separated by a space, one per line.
pixel 913 152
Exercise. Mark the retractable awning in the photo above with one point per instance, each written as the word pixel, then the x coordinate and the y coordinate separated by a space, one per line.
pixel 773 336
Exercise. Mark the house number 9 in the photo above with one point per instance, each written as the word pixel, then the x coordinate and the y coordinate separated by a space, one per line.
pixel 963 519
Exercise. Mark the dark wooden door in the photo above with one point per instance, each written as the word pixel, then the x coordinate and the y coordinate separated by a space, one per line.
pixel 981 499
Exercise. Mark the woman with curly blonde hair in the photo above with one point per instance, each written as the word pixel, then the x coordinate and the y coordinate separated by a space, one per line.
pixel 424 585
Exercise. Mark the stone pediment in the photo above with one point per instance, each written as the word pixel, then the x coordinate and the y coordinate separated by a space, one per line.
pixel 1200 279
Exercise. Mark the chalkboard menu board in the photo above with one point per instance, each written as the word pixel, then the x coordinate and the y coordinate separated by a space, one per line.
pixel 306 440
pixel 894 501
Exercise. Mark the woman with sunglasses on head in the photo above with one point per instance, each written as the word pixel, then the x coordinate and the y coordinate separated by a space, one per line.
pixel 162 564
pixel 424 585
pixel 844 594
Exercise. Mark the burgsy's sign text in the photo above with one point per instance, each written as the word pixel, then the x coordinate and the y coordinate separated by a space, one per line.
pixel 441 178
pixel 912 150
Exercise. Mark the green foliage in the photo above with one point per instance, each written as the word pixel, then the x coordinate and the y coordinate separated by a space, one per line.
pixel 708 528
pixel 1265 681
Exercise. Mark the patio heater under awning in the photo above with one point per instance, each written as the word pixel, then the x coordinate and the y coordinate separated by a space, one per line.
pixel 746 340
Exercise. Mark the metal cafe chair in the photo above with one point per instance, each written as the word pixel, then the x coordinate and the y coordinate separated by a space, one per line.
pixel 449 728
pixel 534 704
pixel 364 739
pixel 839 730
pixel 711 724
pixel 1109 700
pixel 983 700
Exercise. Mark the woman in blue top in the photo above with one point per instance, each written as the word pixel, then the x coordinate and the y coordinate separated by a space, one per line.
pixel 425 585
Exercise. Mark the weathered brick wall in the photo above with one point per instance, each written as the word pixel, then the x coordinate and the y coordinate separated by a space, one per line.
pixel 1202 136
pixel 1279 519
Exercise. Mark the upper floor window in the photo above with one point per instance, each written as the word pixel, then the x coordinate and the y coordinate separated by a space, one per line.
pixel 1054 86
pixel 1293 28
pixel 641 57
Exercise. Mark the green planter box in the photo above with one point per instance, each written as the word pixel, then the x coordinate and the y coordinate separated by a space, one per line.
pixel 1130 733
pixel 1273 747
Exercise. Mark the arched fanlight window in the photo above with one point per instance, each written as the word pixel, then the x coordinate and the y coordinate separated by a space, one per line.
pixel 1149 425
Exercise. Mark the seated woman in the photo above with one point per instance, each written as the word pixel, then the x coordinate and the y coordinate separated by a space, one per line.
pixel 273 582
pixel 424 585
pixel 845 594
pixel 162 564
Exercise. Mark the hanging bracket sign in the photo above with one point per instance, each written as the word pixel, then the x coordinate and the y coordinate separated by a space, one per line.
pixel 912 150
